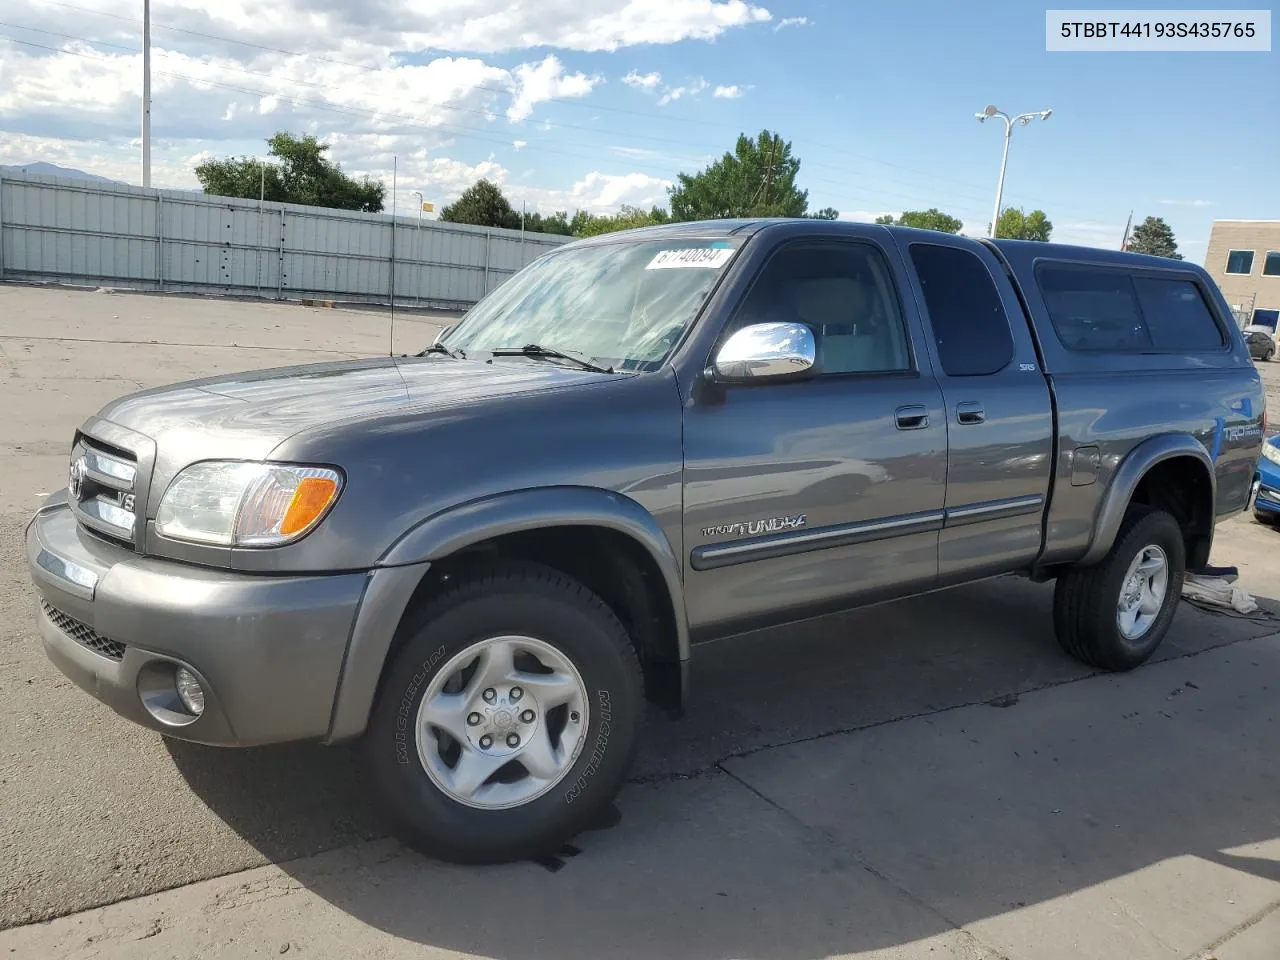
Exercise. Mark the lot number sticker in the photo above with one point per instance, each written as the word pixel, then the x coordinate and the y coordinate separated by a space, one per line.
pixel 705 258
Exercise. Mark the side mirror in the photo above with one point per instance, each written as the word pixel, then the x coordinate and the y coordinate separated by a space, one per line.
pixel 766 351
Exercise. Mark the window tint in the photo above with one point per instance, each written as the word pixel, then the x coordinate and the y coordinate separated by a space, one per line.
pixel 1240 261
pixel 1271 265
pixel 845 293
pixel 1177 317
pixel 968 319
pixel 1111 310
pixel 1093 309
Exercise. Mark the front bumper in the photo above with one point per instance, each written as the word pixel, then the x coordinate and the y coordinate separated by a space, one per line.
pixel 1266 492
pixel 268 650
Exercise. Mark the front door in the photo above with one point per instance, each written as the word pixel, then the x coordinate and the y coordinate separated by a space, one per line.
pixel 999 412
pixel 811 495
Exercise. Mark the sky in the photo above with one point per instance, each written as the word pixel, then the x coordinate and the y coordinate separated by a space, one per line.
pixel 590 104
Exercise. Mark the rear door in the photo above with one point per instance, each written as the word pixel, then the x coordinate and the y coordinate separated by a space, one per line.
pixel 998 409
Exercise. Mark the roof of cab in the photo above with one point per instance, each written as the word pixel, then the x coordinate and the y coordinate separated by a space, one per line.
pixel 1020 253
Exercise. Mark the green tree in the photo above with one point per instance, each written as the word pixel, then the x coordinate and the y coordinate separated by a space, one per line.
pixel 757 179
pixel 484 205
pixel 1155 237
pixel 931 219
pixel 586 224
pixel 557 223
pixel 1013 224
pixel 302 174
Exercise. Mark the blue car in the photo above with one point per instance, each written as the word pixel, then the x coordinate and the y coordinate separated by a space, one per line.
pixel 1266 505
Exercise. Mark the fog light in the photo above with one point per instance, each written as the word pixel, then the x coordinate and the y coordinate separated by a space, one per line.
pixel 189 690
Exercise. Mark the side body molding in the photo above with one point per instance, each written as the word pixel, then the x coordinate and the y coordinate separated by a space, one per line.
pixel 1139 460
pixel 402 567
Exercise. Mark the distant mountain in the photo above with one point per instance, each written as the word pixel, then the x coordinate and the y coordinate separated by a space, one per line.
pixel 43 169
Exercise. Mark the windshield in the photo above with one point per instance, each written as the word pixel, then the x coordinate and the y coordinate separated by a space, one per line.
pixel 622 305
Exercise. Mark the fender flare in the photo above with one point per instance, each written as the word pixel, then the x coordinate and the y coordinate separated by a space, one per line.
pixel 397 574
pixel 1129 474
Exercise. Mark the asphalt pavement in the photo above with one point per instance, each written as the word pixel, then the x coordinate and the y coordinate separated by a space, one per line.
pixel 930 775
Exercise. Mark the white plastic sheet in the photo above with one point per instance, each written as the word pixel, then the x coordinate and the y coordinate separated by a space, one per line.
pixel 1218 592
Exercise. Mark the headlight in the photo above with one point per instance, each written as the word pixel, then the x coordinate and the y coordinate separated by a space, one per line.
pixel 1271 453
pixel 246 504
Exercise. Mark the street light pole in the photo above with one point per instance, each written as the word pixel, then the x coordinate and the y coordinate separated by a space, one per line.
pixel 146 93
pixel 1022 120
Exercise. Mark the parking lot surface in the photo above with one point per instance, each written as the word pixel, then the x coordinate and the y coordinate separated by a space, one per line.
pixel 926 778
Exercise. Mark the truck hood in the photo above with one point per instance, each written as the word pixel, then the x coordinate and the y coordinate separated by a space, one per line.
pixel 247 415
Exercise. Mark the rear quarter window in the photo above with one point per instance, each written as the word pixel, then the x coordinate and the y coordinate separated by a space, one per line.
pixel 1177 317
pixel 1098 309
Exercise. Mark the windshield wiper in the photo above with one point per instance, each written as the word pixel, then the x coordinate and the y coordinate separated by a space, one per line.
pixel 441 348
pixel 550 353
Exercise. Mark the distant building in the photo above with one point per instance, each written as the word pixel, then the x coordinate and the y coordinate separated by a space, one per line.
pixel 1244 259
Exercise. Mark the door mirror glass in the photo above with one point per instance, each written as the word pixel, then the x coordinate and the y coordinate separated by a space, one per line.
pixel 767 351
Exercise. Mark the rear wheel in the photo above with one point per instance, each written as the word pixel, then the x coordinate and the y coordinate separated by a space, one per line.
pixel 1268 355
pixel 508 720
pixel 1114 615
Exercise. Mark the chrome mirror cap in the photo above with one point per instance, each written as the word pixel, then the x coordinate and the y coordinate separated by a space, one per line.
pixel 766 351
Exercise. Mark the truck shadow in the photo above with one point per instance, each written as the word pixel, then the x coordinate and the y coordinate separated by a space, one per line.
pixel 728 848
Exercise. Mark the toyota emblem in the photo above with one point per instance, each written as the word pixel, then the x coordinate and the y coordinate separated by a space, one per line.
pixel 75 478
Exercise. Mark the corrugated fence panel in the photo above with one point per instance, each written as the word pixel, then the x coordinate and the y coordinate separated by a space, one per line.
pixel 55 229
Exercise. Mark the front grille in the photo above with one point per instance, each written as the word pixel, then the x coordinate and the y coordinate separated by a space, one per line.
pixel 84 634
pixel 103 486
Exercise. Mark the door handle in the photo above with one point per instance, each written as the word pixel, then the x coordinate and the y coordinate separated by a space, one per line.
pixel 970 412
pixel 915 417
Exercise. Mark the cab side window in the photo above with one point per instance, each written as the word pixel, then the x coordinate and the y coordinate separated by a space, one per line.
pixel 844 292
pixel 968 320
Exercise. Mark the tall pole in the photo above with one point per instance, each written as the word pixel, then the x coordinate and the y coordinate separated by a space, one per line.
pixel 146 93
pixel 1004 162
pixel 395 161
pixel 1022 120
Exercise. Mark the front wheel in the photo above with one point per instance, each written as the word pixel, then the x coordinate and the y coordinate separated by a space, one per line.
pixel 508 720
pixel 1114 615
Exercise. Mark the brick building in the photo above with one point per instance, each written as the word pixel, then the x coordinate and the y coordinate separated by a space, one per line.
pixel 1244 259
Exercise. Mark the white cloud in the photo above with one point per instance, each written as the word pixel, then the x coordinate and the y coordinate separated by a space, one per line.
pixel 372 83
pixel 172 163
pixel 1089 233
pixel 1187 203
pixel 642 81
pixel 791 22
pixel 866 216
pixel 471 26
pixel 729 93
pixel 684 162
pixel 591 25
pixel 537 83
pixel 671 94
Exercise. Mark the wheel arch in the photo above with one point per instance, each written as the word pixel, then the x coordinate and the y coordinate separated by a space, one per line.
pixel 602 533
pixel 1173 472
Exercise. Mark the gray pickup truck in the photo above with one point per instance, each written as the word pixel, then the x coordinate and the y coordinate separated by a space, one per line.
pixel 483 560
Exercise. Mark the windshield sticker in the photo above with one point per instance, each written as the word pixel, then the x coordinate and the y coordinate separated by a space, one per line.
pixel 706 258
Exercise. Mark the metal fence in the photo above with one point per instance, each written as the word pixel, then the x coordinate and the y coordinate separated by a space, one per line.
pixel 57 229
